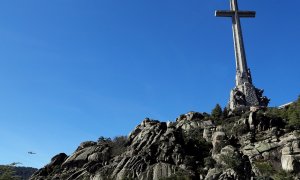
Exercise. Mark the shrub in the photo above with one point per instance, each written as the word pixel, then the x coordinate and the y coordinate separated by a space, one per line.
pixel 195 144
pixel 103 140
pixel 294 119
pixel 282 175
pixel 118 145
pixel 228 124
pixel 196 148
pixel 231 161
pixel 239 129
pixel 265 168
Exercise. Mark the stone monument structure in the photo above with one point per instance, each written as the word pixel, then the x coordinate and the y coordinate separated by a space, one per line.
pixel 244 94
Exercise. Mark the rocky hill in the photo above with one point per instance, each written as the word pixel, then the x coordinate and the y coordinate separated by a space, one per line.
pixel 8 172
pixel 248 143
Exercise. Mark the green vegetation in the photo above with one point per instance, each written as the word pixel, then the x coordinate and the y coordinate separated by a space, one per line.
pixel 290 113
pixel 282 175
pixel 228 125
pixel 265 169
pixel 195 144
pixel 217 113
pixel 233 124
pixel 231 161
pixel 239 129
pixel 293 113
pixel 7 173
pixel 197 149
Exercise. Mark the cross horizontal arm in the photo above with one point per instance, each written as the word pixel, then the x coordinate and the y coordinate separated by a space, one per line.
pixel 224 13
pixel 221 13
pixel 247 13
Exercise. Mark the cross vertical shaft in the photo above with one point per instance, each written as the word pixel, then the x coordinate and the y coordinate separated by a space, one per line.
pixel 242 73
pixel 240 55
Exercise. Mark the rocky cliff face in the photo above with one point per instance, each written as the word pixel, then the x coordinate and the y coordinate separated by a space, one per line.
pixel 192 147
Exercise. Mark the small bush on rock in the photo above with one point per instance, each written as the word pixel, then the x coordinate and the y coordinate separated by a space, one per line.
pixel 265 168
pixel 282 175
pixel 239 129
pixel 103 140
pixel 118 145
pixel 231 162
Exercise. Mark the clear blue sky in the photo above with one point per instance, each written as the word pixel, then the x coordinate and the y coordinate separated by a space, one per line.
pixel 72 70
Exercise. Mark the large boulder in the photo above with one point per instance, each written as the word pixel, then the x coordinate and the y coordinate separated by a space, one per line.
pixel 49 169
pixel 208 132
pixel 213 174
pixel 79 158
pixel 192 120
pixel 219 140
pixel 290 158
pixel 190 116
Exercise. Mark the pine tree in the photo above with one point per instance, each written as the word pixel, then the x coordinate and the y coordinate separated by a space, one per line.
pixel 217 112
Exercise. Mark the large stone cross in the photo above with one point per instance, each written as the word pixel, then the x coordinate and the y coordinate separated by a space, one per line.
pixel 244 94
pixel 243 74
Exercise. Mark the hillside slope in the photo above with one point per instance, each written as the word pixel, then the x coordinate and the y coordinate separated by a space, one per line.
pixel 259 143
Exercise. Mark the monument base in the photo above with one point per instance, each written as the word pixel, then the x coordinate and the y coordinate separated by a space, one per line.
pixel 246 95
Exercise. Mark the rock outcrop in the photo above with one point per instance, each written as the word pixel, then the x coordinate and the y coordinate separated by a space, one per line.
pixel 192 147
